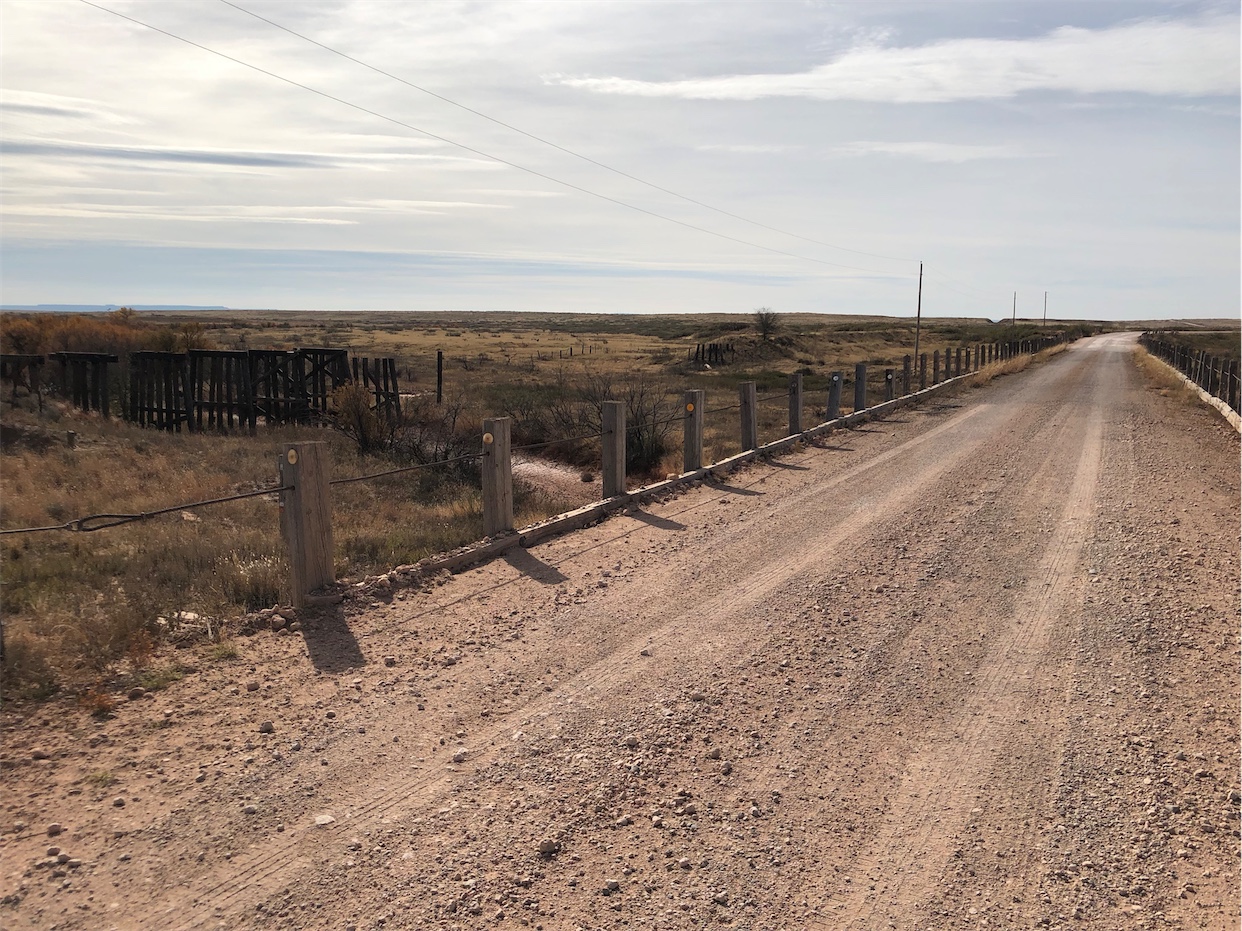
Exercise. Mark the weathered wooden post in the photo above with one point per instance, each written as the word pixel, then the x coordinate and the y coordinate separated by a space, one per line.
pixel 905 375
pixel 834 396
pixel 439 376
pixel 692 442
pixel 749 407
pixel 968 368
pixel 306 518
pixel 922 370
pixel 497 477
pixel 860 386
pixel 936 367
pixel 795 403
pixel 889 384
pixel 613 443
pixel 957 362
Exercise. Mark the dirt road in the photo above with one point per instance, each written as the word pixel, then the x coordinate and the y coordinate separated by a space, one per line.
pixel 975 666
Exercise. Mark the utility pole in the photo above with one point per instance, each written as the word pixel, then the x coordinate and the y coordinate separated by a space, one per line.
pixel 1045 308
pixel 918 316
pixel 1014 322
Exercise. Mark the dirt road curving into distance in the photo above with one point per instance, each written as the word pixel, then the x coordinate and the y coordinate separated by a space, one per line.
pixel 975 666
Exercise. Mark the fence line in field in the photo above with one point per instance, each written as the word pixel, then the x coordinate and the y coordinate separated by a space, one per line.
pixel 304 482
pixel 1215 375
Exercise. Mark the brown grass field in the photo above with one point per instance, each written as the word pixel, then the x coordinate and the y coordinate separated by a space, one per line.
pixel 94 611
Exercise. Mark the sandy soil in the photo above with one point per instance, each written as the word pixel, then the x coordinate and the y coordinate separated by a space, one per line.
pixel 974 666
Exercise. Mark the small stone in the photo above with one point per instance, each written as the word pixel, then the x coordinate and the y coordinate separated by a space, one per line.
pixel 53 851
pixel 612 885
pixel 721 898
pixel 644 652
pixel 266 727
pixel 296 745
pixel 460 756
pixel 73 864
pixel 713 753
pixel 323 820
pixel 1235 796
pixel 124 858
pixel 62 858
pixel 631 741
pixel 698 695
pixel 136 693
pixel 623 822
pixel 329 714
pixel 726 768
pixel 390 661
pixel 249 809
pixel 685 863
pixel 1180 756
pixel 252 686
pixel 549 847
pixel 295 627
pixel 201 777
pixel 118 802
pixel 38 753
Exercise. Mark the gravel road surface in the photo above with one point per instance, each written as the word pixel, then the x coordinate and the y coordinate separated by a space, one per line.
pixel 972 666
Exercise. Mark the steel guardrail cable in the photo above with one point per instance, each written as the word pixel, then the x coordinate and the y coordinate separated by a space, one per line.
pixel 82 524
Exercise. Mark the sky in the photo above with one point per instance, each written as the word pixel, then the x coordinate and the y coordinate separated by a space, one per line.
pixel 620 157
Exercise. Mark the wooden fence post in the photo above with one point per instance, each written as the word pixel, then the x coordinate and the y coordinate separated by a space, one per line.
pixel 497 477
pixel 306 518
pixel 860 386
pixel 439 376
pixel 834 396
pixel 889 384
pixel 936 367
pixel 905 375
pixel 795 403
pixel 749 406
pixel 922 370
pixel 692 443
pixel 613 443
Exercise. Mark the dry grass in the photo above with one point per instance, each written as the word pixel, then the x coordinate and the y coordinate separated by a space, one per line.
pixel 1164 378
pixel 91 611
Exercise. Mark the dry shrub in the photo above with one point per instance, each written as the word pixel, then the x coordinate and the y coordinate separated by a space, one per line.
pixel 1164 378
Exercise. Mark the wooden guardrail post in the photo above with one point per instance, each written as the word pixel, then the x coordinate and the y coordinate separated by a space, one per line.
pixel 497 476
pixel 306 518
pixel 612 469
pixel 957 362
pixel 795 403
pixel 968 368
pixel 905 375
pixel 748 405
pixel 834 396
pixel 922 371
pixel 936 367
pixel 692 442
pixel 889 384
pixel 860 386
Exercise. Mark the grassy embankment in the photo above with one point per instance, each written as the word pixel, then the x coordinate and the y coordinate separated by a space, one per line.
pixel 84 609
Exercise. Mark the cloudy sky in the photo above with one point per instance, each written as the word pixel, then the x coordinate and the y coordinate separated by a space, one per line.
pixel 624 157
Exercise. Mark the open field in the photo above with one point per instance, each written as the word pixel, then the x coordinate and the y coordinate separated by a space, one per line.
pixel 84 610
pixel 974 665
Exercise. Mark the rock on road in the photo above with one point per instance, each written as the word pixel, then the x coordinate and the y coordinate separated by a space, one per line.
pixel 973 666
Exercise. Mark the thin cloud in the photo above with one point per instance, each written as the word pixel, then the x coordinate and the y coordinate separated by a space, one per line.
pixel 1157 57
pixel 749 149
pixel 949 152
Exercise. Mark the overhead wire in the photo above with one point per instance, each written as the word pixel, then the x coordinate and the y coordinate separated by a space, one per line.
pixel 555 145
pixel 475 151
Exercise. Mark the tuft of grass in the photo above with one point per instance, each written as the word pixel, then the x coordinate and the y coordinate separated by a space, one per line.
pixel 97 701
pixel 224 650
pixel 153 680
pixel 101 779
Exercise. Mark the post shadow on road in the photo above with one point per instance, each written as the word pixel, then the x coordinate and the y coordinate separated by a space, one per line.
pixel 731 489
pixel 781 464
pixel 329 641
pixel 663 523
pixel 532 567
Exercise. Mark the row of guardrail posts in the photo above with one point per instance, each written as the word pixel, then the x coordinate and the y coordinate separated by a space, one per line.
pixel 306 509
pixel 1218 376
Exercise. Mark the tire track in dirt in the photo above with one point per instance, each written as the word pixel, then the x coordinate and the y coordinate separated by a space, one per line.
pixel 934 800
pixel 263 869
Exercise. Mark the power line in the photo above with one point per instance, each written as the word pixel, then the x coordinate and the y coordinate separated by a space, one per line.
pixel 549 142
pixel 479 152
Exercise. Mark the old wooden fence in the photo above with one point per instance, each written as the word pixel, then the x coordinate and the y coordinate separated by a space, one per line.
pixel 1217 375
